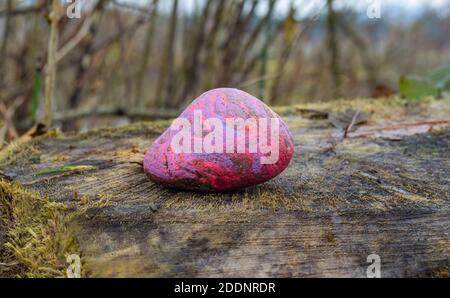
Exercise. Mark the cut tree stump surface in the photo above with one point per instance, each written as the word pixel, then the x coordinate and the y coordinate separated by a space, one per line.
pixel 382 190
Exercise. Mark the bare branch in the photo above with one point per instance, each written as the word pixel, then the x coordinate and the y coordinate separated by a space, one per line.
pixel 50 77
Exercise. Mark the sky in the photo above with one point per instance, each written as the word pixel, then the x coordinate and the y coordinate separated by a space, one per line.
pixel 409 7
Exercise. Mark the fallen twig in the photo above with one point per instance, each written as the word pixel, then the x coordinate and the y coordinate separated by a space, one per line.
pixel 399 129
pixel 349 127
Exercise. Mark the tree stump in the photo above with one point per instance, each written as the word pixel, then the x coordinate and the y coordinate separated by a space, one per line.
pixel 383 189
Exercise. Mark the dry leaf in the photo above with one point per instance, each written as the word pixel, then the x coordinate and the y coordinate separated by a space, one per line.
pixel 348 120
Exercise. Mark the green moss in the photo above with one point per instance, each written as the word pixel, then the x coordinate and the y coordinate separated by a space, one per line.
pixel 38 238
pixel 25 149
pixel 17 152
pixel 441 272
pixel 330 237
pixel 138 128
pixel 22 151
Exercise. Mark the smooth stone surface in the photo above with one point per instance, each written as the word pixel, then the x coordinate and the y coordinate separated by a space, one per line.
pixel 218 171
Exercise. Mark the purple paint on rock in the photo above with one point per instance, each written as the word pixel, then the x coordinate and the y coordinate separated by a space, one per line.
pixel 217 171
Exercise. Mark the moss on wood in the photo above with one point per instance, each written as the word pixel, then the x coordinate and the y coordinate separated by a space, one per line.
pixel 37 238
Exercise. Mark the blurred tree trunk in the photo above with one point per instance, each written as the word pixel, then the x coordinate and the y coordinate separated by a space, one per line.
pixel 192 65
pixel 146 54
pixel 247 64
pixel 246 43
pixel 86 55
pixel 265 52
pixel 365 52
pixel 164 88
pixel 230 45
pixel 50 76
pixel 291 37
pixel 211 51
pixel 333 48
pixel 4 43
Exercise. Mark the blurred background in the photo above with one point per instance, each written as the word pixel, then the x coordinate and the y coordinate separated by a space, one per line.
pixel 110 62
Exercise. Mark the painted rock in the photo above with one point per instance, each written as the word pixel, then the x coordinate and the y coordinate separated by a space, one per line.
pixel 225 139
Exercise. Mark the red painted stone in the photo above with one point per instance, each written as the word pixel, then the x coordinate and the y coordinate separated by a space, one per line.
pixel 221 170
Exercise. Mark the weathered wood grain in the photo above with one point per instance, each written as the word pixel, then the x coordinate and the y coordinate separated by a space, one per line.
pixel 339 201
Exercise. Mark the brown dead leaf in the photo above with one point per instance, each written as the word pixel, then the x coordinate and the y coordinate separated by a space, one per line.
pixel 37 130
pixel 382 90
pixel 348 120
